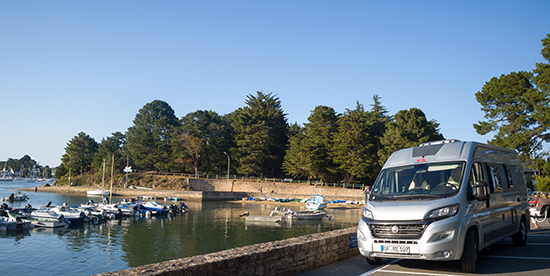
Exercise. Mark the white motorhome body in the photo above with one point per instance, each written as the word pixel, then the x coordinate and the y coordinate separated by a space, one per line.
pixel 444 200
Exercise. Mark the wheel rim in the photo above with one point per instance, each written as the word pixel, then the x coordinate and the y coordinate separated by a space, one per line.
pixel 475 249
pixel 523 230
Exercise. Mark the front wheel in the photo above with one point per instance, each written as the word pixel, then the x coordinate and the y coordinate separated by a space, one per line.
pixel 520 238
pixel 469 256
pixel 374 260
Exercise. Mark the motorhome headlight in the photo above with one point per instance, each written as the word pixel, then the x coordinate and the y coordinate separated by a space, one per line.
pixel 367 213
pixel 443 212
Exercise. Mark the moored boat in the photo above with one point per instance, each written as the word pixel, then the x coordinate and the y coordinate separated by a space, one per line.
pixel 310 214
pixel 153 208
pixel 72 215
pixel 117 208
pixel 98 193
pixel 317 202
pixel 16 196
pixel 264 218
pixel 15 223
pixel 40 221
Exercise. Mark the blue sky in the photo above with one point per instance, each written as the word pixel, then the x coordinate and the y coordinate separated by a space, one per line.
pixel 89 66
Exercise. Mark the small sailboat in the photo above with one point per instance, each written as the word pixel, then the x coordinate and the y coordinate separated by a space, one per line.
pixel 101 192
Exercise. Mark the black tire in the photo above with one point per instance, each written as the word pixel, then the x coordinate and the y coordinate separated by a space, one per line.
pixel 374 260
pixel 469 256
pixel 520 238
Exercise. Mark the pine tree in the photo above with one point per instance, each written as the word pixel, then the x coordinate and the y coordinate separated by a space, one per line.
pixel 353 144
pixel 517 107
pixel 80 152
pixel 260 133
pixel 150 141
pixel 409 128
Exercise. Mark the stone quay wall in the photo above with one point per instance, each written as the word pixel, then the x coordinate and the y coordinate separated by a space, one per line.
pixel 214 190
pixel 271 189
pixel 287 257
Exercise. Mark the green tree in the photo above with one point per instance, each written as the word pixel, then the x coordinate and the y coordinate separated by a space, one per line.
pixel 309 151
pixel 353 143
pixel 409 128
pixel 212 132
pixel 517 108
pixel 377 119
pixel 194 146
pixel 511 106
pixel 80 152
pixel 296 161
pixel 111 145
pixel 150 141
pixel 260 133
pixel 543 183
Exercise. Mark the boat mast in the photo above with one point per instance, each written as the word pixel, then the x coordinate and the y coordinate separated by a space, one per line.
pixel 103 179
pixel 112 169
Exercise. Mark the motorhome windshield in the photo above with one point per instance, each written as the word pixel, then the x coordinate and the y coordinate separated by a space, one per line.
pixel 420 181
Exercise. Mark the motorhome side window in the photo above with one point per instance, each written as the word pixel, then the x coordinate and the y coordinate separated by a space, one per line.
pixel 494 177
pixel 509 179
pixel 476 174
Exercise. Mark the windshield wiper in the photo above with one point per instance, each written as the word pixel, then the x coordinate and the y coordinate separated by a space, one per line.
pixel 376 196
pixel 418 196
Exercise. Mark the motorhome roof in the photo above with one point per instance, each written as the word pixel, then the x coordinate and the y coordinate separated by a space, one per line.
pixel 438 142
pixel 437 151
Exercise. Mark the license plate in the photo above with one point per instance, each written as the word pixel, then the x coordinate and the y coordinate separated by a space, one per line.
pixel 402 249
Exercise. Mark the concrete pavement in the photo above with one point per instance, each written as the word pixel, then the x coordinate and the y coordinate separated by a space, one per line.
pixel 502 258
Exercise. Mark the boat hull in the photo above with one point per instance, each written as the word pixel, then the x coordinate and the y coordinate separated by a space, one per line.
pixel 98 193
pixel 308 215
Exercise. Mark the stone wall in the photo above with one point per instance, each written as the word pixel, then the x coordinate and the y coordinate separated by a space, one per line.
pixel 218 189
pixel 268 188
pixel 287 257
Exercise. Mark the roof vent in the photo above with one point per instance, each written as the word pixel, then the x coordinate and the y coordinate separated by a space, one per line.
pixel 440 142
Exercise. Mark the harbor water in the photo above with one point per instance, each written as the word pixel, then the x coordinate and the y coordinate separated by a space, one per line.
pixel 121 244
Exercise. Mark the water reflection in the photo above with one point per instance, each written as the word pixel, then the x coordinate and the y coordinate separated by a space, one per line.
pixel 16 235
pixel 120 244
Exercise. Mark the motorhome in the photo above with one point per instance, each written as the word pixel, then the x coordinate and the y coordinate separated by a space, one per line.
pixel 444 200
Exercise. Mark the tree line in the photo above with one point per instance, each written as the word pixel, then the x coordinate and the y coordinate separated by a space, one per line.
pixel 256 140
pixel 26 167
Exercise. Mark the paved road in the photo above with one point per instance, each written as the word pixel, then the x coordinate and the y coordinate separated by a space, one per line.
pixel 502 258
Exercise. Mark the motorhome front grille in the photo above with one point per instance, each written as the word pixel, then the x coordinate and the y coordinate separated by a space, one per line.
pixel 395 242
pixel 397 231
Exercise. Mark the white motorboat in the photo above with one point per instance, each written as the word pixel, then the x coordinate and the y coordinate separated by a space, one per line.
pixel 318 202
pixel 115 209
pixel 153 208
pixel 41 222
pixel 15 223
pixel 73 216
pixel 16 196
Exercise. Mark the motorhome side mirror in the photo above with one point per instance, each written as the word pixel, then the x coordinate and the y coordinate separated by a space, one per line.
pixel 481 190
pixel 367 194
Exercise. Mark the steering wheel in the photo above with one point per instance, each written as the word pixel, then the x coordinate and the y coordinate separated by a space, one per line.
pixel 447 184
